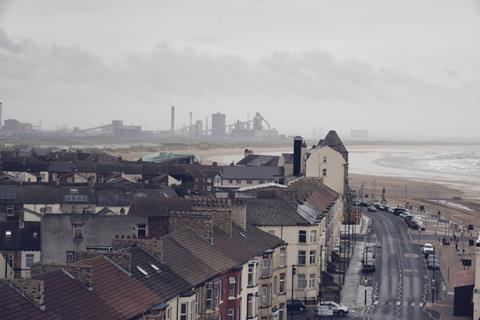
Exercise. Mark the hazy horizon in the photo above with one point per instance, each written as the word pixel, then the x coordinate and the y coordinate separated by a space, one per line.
pixel 405 70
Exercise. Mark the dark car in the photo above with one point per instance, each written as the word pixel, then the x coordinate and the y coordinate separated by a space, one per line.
pixel 398 211
pixel 295 305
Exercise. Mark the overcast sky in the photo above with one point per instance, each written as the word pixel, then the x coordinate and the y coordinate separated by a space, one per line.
pixel 407 68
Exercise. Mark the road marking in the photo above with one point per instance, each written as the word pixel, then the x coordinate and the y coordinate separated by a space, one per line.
pixel 412 304
pixel 411 270
pixel 420 305
pixel 375 303
pixel 410 255
pixel 399 303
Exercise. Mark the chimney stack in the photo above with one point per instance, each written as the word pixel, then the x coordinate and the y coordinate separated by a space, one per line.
pixel 82 273
pixel 297 155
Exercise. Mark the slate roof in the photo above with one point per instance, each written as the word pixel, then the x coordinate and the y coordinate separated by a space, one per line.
pixel 24 166
pixel 333 141
pixel 288 157
pixel 257 160
pixel 159 207
pixel 273 212
pixel 60 166
pixel 243 245
pixel 14 306
pixel 164 282
pixel 251 173
pixel 21 238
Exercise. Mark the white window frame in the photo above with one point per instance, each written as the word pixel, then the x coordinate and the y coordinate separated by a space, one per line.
pixel 27 256
pixel 251 274
pixel 281 284
pixel 311 280
pixel 184 314
pixel 313 236
pixel 10 210
pixel 304 257
pixel 312 257
pixel 283 257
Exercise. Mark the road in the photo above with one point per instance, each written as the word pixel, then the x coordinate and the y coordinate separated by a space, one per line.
pixel 402 283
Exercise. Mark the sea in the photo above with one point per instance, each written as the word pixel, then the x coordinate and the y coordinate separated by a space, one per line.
pixel 455 165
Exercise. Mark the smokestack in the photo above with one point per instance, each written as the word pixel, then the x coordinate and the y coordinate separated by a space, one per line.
pixel 172 122
pixel 191 123
pixel 297 155
pixel 1 119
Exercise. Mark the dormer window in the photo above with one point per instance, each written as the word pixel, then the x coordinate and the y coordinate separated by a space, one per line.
pixel 10 211
pixel 35 235
pixel 8 233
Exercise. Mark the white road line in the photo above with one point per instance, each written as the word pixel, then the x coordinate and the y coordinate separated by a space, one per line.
pixel 420 305
pixel 398 303
pixel 375 303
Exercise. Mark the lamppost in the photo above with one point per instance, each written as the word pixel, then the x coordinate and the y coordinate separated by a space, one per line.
pixel 366 283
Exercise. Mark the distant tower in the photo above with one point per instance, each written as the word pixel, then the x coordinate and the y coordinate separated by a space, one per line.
pixel 1 119
pixel 219 124
pixel 172 120
pixel 297 155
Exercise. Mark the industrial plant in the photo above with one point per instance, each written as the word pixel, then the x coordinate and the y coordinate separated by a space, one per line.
pixel 215 128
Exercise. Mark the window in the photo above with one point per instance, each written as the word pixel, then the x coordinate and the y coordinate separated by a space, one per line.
pixel 275 284
pixel 232 287
pixel 183 311
pixel 249 181
pixel 281 311
pixel 141 231
pixel 70 256
pixel 250 305
pixel 192 310
pixel 311 280
pixel 302 236
pixel 29 260
pixel 266 270
pixel 281 284
pixel 324 159
pixel 301 281
pixel 239 181
pixel 10 211
pixel 265 296
pixel 197 309
pixel 313 236
pixel 283 257
pixel 8 233
pixel 35 235
pixel 230 181
pixel 169 313
pixel 324 172
pixel 217 294
pixel 261 181
pixel 301 257
pixel 77 231
pixel 250 277
pixel 313 256
pixel 231 314
pixel 209 296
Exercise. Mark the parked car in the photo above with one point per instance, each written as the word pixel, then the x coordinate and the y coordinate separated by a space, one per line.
pixel 397 211
pixel 372 209
pixel 295 305
pixel 433 264
pixel 336 308
pixel 363 204
pixel 405 215
pixel 391 210
pixel 416 223
pixel 428 249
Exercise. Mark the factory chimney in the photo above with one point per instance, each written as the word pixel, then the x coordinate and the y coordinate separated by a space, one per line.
pixel 191 124
pixel 297 155
pixel 172 121
pixel 1 119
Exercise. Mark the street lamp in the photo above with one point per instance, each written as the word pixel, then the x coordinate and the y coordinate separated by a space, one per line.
pixel 366 283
